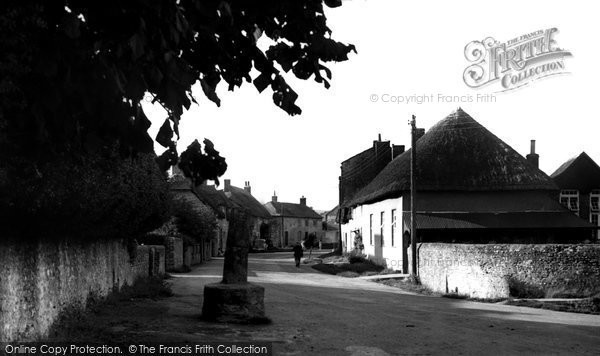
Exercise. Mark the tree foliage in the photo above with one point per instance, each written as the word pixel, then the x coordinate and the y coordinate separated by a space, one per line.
pixel 200 166
pixel 73 73
pixel 97 197
pixel 197 222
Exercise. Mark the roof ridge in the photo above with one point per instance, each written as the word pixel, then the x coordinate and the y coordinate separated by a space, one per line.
pixel 457 153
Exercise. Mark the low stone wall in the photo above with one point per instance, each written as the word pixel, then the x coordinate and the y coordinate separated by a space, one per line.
pixel 193 255
pixel 173 254
pixel 494 271
pixel 40 280
pixel 156 259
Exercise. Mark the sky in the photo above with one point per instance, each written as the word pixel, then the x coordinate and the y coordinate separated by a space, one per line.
pixel 404 49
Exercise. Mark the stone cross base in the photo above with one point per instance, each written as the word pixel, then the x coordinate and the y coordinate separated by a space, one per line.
pixel 234 303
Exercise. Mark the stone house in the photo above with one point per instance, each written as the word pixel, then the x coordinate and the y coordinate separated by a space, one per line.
pixel 579 183
pixel 291 222
pixel 472 188
pixel 259 216
pixel 182 189
pixel 331 229
pixel 222 208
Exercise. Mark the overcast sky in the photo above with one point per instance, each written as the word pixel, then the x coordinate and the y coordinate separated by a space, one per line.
pixel 404 49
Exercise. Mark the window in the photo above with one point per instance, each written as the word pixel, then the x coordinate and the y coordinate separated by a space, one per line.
pixel 305 222
pixel 393 224
pixel 570 199
pixel 315 222
pixel 305 235
pixel 371 229
pixel 287 240
pixel 594 219
pixel 299 236
pixel 346 240
pixel 381 219
pixel 595 200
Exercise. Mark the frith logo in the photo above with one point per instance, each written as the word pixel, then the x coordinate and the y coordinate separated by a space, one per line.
pixel 514 63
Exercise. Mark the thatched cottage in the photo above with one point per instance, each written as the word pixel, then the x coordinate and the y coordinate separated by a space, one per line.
pixel 472 188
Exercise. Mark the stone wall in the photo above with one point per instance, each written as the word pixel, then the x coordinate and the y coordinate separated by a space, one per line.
pixel 156 259
pixel 173 254
pixel 193 255
pixel 40 280
pixel 494 271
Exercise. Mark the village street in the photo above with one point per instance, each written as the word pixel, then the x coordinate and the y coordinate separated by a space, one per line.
pixel 314 313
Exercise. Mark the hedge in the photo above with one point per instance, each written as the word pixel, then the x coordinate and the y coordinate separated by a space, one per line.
pixel 89 198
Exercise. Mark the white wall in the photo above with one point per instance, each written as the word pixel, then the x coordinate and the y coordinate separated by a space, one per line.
pixel 388 255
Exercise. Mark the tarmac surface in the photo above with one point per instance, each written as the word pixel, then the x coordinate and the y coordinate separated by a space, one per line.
pixel 315 313
pixel 320 314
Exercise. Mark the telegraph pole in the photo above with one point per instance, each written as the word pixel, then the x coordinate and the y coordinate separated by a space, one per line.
pixel 340 247
pixel 413 192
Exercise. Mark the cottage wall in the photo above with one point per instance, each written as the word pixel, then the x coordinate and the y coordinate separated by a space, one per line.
pixel 296 228
pixel 492 271
pixel 386 254
pixel 39 281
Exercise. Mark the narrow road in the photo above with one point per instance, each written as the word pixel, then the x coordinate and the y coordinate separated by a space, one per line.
pixel 318 314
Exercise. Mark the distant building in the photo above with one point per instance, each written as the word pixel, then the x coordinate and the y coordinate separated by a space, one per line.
pixel 360 169
pixel 222 207
pixel 291 223
pixel 579 183
pixel 471 188
pixel 182 190
pixel 259 217
pixel 331 228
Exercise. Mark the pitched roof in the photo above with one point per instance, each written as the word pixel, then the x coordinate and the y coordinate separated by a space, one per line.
pixel 332 212
pixel 493 210
pixel 292 210
pixel 247 202
pixel 539 220
pixel 360 169
pixel 213 198
pixel 457 154
pixel 579 172
pixel 180 183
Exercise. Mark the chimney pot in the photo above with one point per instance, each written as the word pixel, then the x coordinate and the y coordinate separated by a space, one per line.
pixel 379 137
pixel 227 187
pixel 303 200
pixel 274 197
pixel 532 157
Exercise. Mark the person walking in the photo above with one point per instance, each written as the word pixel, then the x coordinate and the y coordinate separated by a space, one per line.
pixel 298 253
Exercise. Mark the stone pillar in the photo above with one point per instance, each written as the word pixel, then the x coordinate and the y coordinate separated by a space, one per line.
pixel 234 299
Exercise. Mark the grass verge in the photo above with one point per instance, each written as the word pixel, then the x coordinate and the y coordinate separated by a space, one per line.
pixel 348 269
pixel 584 306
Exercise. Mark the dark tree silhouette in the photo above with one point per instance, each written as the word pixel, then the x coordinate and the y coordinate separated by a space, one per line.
pixel 73 73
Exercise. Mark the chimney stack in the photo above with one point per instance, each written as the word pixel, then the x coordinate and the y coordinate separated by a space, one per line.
pixel 247 187
pixel 532 157
pixel 379 137
pixel 274 197
pixel 420 133
pixel 227 187
pixel 397 150
pixel 303 200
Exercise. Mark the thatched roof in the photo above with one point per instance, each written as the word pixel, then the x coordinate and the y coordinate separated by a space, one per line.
pixel 457 154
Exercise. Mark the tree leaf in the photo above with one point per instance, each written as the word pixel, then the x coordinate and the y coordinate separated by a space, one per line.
pixel 165 134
